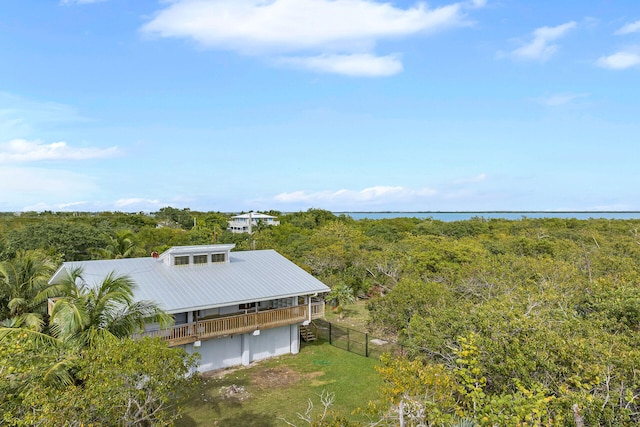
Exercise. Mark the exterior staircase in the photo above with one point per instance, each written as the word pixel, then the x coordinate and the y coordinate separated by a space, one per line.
pixel 309 332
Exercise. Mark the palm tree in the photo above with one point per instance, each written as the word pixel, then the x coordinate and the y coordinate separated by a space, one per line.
pixel 23 281
pixel 84 312
pixel 84 316
pixel 121 245
pixel 340 296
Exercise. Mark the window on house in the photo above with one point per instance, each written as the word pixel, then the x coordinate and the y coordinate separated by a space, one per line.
pixel 199 259
pixel 217 257
pixel 181 260
pixel 247 306
pixel 180 318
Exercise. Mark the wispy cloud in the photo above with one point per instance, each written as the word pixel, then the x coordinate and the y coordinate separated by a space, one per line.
pixel 558 99
pixel 25 180
pixel 478 3
pixel 21 151
pixel 619 60
pixel 474 179
pixel 136 202
pixel 21 117
pixel 70 2
pixel 334 36
pixel 631 27
pixel 372 195
pixel 383 197
pixel 541 47
pixel 22 186
pixel 361 65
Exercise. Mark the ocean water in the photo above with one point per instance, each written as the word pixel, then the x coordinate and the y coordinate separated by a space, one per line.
pixel 461 216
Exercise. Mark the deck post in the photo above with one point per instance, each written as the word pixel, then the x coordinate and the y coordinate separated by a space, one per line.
pixel 246 350
pixel 295 338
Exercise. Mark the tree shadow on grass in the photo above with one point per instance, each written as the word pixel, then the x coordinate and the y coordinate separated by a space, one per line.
pixel 249 419
pixel 243 419
pixel 186 421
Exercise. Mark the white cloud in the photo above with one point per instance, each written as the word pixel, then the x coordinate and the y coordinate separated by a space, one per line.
pixel 127 203
pixel 471 189
pixel 21 150
pixel 478 3
pixel 363 65
pixel 561 99
pixel 541 48
pixel 337 36
pixel 632 27
pixel 619 60
pixel 371 196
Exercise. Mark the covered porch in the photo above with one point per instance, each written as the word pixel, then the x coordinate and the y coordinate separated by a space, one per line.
pixel 237 324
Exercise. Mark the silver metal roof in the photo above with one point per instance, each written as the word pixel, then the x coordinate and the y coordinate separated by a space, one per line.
pixel 254 215
pixel 248 277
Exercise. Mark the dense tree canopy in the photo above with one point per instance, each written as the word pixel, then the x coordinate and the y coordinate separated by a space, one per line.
pixel 504 322
pixel 122 382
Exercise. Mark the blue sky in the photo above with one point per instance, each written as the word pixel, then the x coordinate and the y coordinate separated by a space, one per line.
pixel 345 105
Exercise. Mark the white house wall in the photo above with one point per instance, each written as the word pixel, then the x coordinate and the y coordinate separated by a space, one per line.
pixel 218 353
pixel 270 342
pixel 242 349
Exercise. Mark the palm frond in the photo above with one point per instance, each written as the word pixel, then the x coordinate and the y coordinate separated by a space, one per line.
pixel 59 375
pixel 18 305
pixel 68 318
pixel 32 321
pixel 8 333
pixel 95 337
pixel 134 317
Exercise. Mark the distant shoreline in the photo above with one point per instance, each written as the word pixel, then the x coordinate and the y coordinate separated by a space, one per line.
pixel 476 212
pixel 504 214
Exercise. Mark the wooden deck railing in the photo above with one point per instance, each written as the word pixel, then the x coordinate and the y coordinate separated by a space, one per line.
pixel 317 310
pixel 239 324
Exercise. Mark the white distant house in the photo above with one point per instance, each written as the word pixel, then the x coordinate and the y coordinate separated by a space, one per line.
pixel 245 223
pixel 231 307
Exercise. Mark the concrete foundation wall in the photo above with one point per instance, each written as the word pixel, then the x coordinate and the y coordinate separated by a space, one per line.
pixel 243 349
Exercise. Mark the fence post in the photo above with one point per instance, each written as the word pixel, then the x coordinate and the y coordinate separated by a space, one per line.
pixel 329 333
pixel 366 344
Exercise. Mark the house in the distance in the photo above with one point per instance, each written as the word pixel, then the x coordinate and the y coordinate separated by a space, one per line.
pixel 231 307
pixel 246 223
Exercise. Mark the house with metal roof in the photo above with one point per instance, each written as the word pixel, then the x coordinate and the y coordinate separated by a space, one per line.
pixel 246 223
pixel 231 307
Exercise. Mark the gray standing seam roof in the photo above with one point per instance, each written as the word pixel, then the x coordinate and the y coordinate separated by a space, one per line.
pixel 249 276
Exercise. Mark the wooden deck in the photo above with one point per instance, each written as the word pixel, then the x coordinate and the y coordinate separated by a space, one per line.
pixel 238 324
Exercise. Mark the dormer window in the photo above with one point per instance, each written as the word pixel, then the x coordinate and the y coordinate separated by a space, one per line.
pixel 181 260
pixel 200 259
pixel 196 255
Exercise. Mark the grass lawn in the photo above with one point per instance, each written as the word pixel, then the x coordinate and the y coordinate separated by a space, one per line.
pixel 354 316
pixel 258 395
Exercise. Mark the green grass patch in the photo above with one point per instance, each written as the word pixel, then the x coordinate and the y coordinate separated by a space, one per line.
pixel 261 394
pixel 354 316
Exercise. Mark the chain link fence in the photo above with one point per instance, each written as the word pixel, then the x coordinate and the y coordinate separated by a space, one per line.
pixel 355 341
